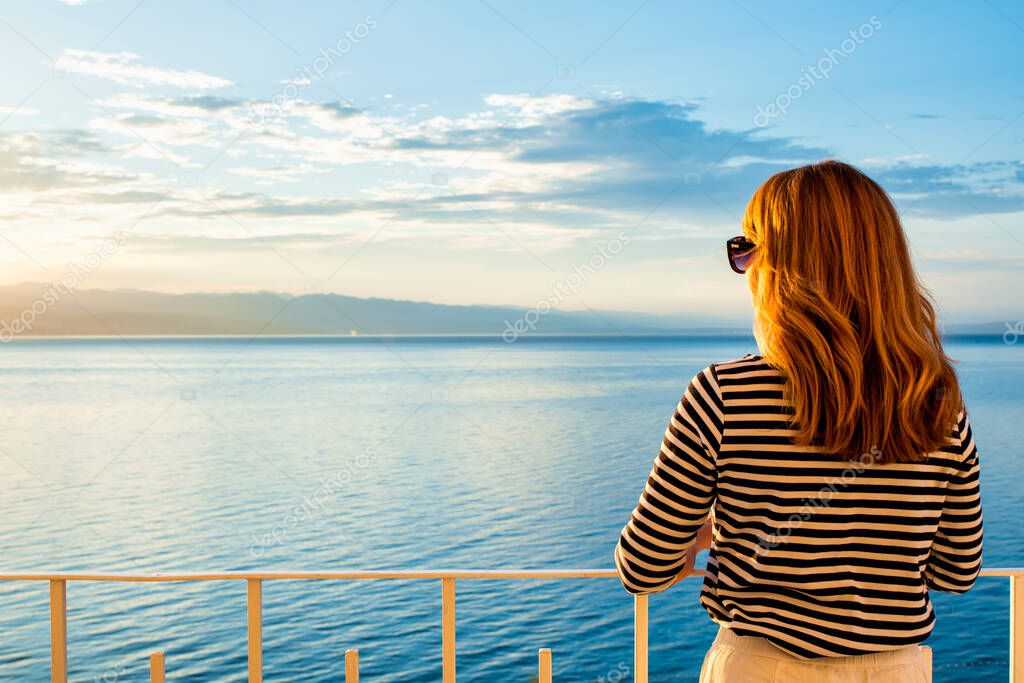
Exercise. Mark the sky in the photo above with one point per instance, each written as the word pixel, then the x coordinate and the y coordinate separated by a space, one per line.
pixel 493 152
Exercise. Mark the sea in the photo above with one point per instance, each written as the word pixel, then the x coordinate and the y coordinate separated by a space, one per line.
pixel 148 455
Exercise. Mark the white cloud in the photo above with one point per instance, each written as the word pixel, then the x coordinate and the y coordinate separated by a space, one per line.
pixel 125 68
pixel 554 171
pixel 192 107
pixel 11 111
pixel 530 109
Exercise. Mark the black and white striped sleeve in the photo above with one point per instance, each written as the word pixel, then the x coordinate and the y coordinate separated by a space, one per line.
pixel 679 493
pixel 955 558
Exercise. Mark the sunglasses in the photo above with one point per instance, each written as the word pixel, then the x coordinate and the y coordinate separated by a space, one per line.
pixel 739 250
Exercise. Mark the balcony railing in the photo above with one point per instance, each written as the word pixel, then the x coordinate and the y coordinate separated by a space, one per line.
pixel 254 583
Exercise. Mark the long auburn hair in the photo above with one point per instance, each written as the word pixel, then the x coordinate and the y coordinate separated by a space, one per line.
pixel 841 312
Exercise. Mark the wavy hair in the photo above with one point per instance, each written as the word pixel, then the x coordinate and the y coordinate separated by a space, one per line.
pixel 841 312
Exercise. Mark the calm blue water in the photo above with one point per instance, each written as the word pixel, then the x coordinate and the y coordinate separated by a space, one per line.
pixel 161 454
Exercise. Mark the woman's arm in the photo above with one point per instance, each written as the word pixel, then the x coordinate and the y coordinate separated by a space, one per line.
pixel 955 558
pixel 705 536
pixel 654 548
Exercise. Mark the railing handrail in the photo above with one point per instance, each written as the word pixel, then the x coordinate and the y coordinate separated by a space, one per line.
pixel 357 575
pixel 353 574
pixel 315 574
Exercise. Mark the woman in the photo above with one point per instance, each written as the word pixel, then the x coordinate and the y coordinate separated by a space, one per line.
pixel 838 468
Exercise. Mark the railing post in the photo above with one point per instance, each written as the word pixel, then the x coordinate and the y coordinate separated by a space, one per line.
pixel 351 666
pixel 640 639
pixel 448 630
pixel 58 631
pixel 544 665
pixel 1017 628
pixel 254 593
pixel 157 672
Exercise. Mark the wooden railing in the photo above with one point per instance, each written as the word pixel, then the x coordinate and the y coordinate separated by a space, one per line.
pixel 254 588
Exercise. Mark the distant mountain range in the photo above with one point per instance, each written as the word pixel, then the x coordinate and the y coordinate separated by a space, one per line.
pixel 135 312
pixel 35 309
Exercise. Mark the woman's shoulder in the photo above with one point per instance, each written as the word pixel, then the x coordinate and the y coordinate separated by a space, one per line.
pixel 749 363
pixel 735 374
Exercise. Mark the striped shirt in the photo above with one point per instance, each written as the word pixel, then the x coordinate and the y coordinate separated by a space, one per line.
pixel 820 555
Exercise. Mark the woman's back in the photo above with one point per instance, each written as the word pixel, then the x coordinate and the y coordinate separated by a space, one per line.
pixel 821 555
pixel 838 467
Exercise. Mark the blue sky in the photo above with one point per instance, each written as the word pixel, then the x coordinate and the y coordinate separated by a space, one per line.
pixel 480 151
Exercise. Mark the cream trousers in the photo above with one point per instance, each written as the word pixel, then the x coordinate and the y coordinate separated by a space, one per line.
pixel 744 659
